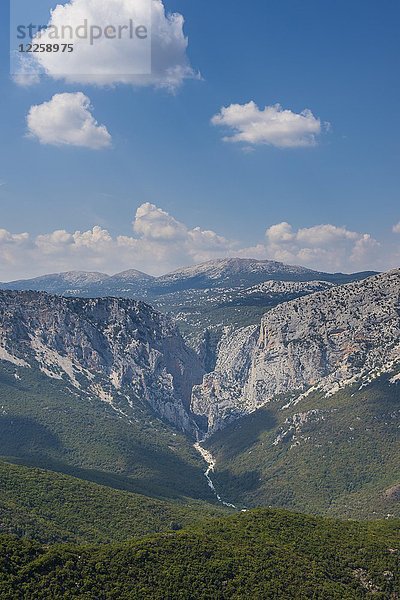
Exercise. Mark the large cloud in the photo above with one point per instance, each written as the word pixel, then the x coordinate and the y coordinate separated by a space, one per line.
pixel 158 60
pixel 273 125
pixel 161 243
pixel 324 247
pixel 66 120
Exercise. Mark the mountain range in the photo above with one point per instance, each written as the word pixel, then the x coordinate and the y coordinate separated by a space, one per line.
pixel 220 273
pixel 317 341
pixel 118 419
pixel 203 299
pixel 303 409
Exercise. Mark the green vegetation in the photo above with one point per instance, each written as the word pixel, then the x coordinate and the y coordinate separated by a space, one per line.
pixel 74 473
pixel 258 555
pixel 44 424
pixel 50 507
pixel 338 456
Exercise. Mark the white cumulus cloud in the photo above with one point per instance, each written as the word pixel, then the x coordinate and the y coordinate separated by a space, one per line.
pixel 67 120
pixel 272 125
pixel 396 228
pixel 322 247
pixel 153 223
pixel 160 243
pixel 160 59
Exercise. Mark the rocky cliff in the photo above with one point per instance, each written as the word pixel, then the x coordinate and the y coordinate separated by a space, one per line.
pixel 117 350
pixel 324 341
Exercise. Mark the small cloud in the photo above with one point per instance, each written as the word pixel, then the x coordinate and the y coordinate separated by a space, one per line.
pixel 272 126
pixel 66 120
pixel 27 70
pixel 26 79
pixel 248 149
pixel 396 228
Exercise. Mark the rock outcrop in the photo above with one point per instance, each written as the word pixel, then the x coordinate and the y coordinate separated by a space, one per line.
pixel 120 351
pixel 323 341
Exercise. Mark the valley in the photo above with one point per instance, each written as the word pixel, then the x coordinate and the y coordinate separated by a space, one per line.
pixel 120 420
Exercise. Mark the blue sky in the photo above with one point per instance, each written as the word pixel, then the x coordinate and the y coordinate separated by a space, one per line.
pixel 338 59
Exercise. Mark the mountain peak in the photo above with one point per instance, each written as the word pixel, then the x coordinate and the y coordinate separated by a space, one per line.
pixel 216 268
pixel 132 275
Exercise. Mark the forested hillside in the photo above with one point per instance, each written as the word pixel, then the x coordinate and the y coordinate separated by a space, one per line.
pixel 257 555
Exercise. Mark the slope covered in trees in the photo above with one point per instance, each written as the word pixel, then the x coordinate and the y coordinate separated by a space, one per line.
pixel 259 554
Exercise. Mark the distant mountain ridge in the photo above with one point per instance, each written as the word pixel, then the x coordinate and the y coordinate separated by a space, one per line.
pixel 79 282
pixel 204 298
pixel 230 272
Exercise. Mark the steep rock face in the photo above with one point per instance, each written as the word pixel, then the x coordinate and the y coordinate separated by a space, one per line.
pixel 113 349
pixel 204 298
pixel 220 399
pixel 322 341
pixel 204 314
